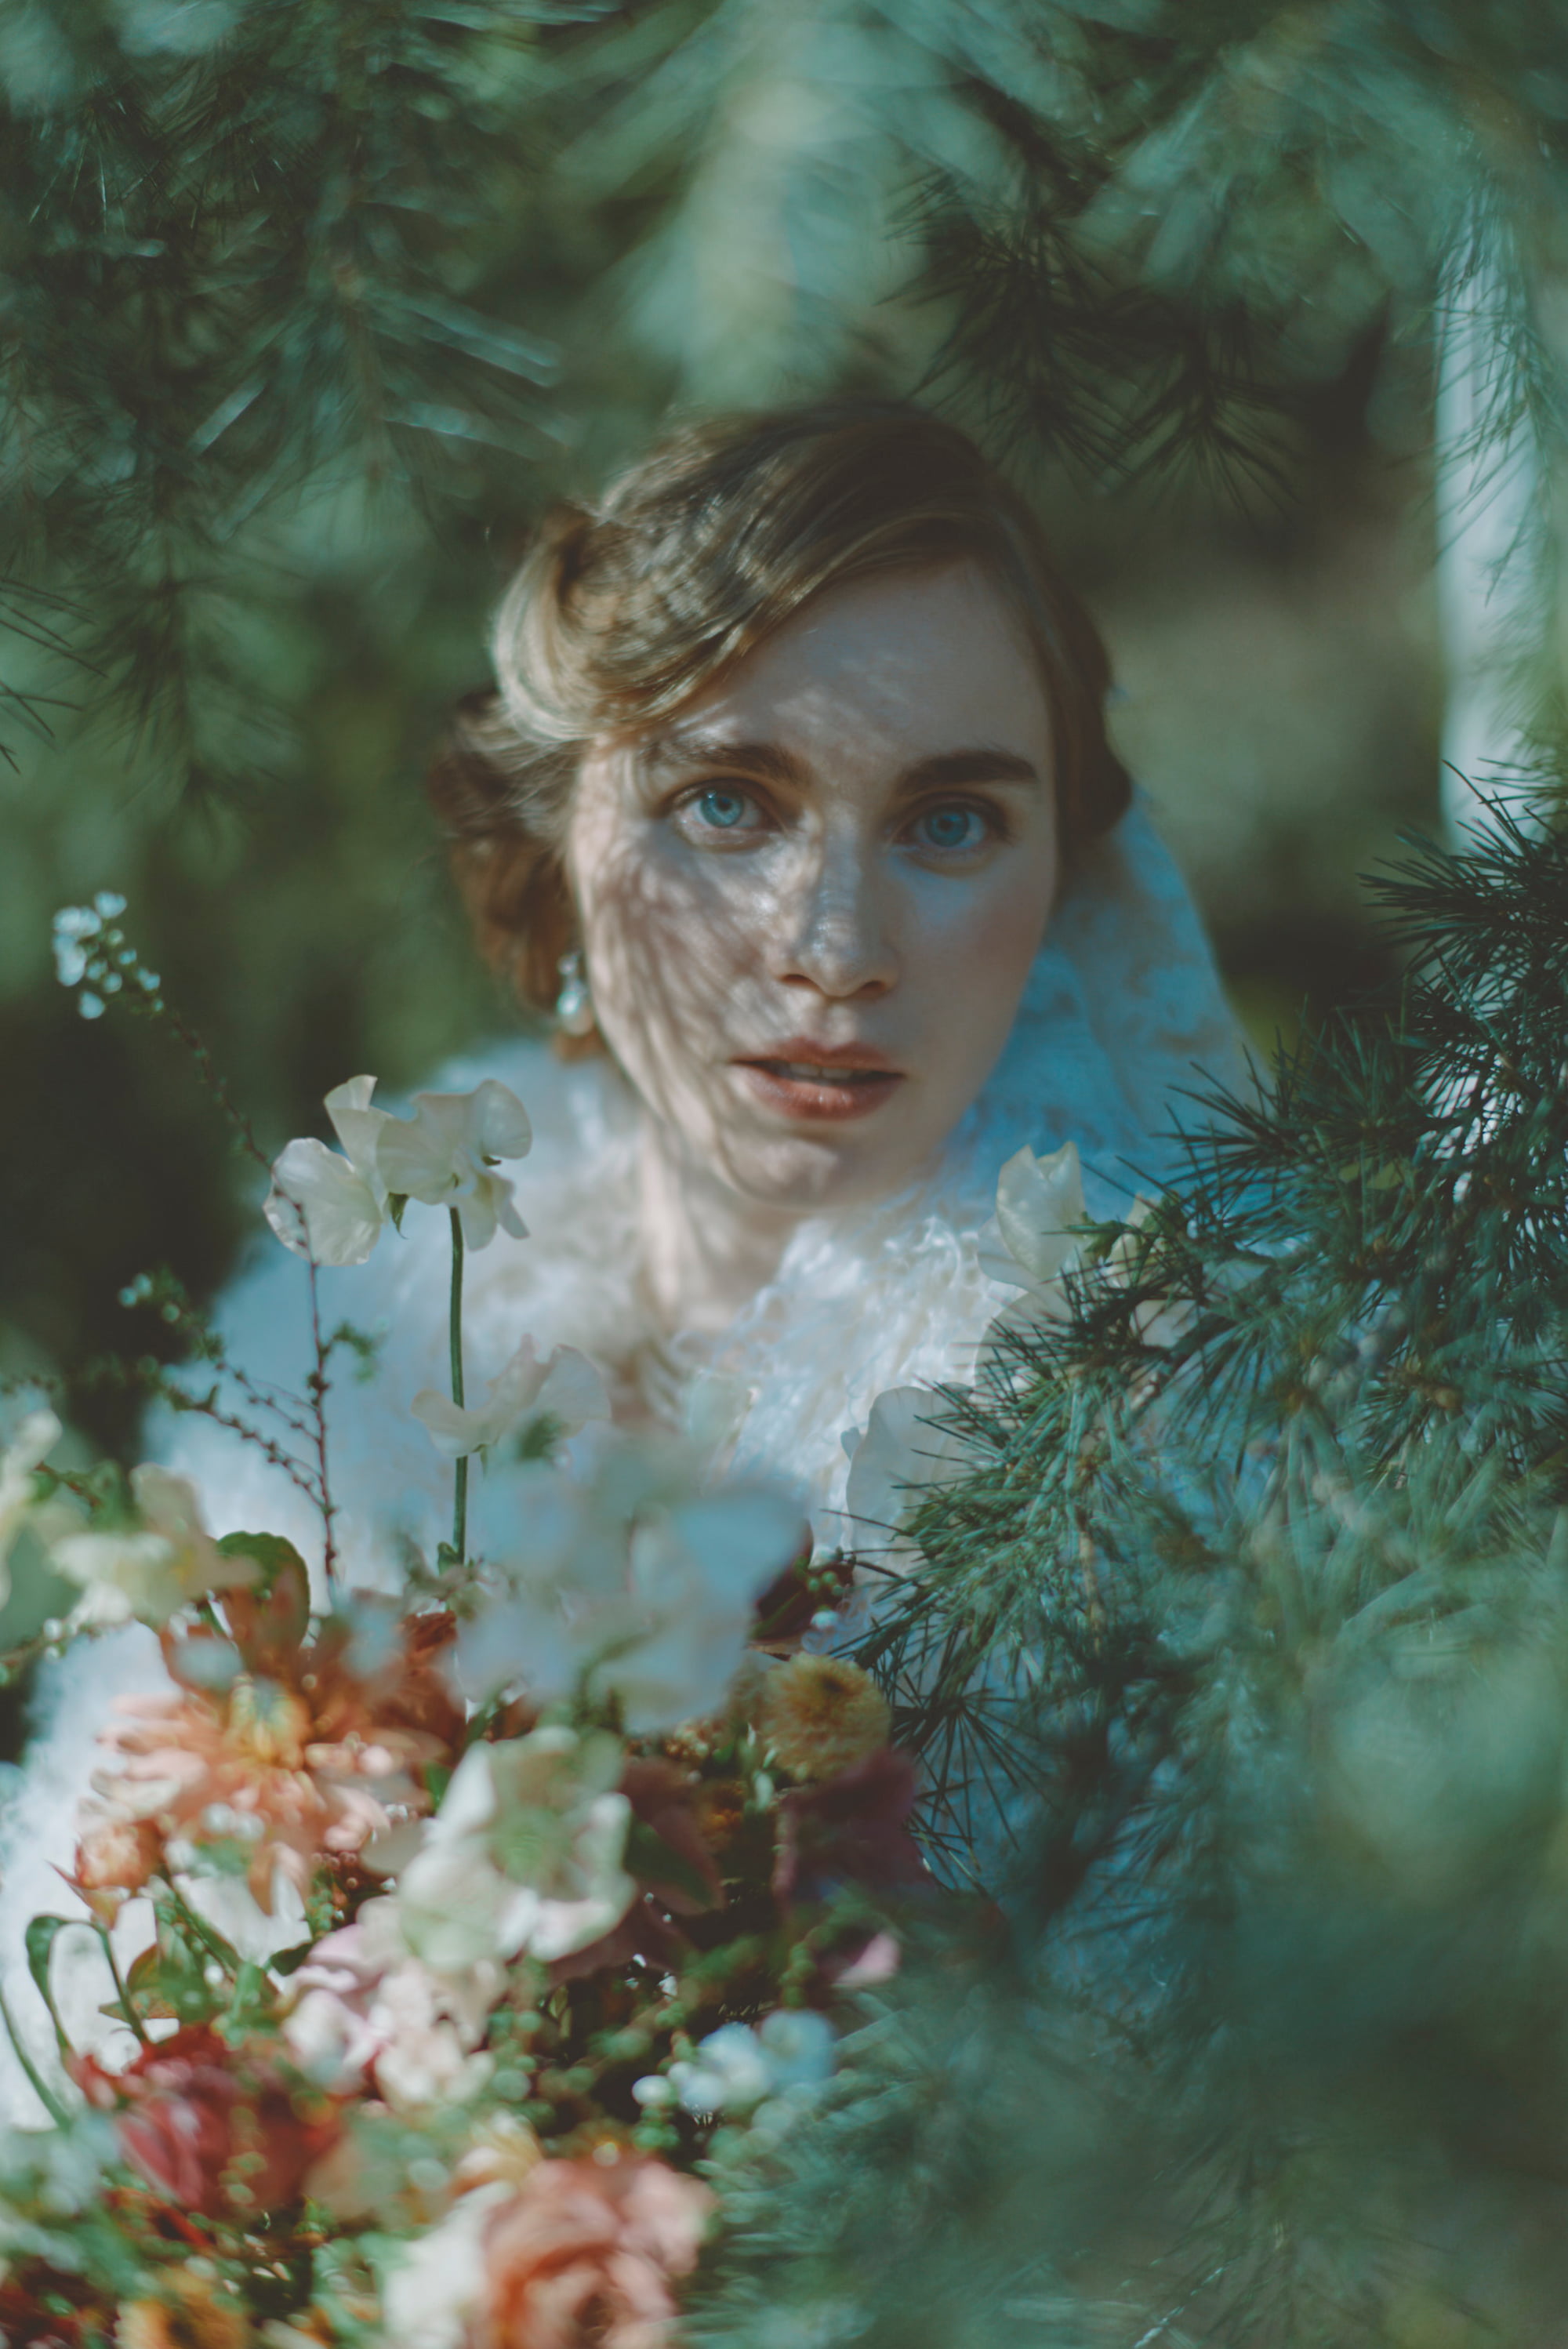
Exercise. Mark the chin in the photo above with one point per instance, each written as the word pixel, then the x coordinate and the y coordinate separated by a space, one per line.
pixel 816 1178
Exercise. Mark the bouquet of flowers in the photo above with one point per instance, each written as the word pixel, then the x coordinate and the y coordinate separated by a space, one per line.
pixel 440 1936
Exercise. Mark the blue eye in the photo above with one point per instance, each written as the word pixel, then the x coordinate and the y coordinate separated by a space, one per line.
pixel 723 810
pixel 951 827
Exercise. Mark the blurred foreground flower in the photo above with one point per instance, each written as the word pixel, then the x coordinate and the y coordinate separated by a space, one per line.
pixel 737 2067
pixel 365 2006
pixel 147 1570
pixel 445 1155
pixel 212 2128
pixel 192 2312
pixel 525 1853
pixel 631 1583
pixel 581 2251
pixel 278 1772
pixel 564 1389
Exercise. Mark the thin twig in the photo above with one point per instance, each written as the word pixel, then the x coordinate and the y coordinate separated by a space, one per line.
pixel 316 1387
pixel 461 1481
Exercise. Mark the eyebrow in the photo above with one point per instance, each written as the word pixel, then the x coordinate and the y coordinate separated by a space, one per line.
pixel 677 754
pixel 980 762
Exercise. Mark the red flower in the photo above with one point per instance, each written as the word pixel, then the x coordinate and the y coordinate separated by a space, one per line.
pixel 852 1830
pixel 214 2130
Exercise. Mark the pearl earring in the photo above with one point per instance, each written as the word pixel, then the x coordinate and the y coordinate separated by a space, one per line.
pixel 575 1003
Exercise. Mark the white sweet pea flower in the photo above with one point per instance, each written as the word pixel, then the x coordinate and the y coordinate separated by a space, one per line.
pixel 38 1434
pixel 696 1572
pixel 565 1388
pixel 1031 1243
pixel 734 2068
pixel 525 1853
pixel 899 1461
pixel 1159 1322
pixel 149 1571
pixel 326 1208
pixel 631 1582
pixel 445 1156
pixel 1038 1202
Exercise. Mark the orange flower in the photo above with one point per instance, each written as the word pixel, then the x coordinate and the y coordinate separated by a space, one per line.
pixel 304 1762
pixel 584 2255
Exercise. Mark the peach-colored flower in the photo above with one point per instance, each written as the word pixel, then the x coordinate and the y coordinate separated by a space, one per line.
pixel 363 2004
pixel 585 2253
pixel 284 1770
pixel 114 1860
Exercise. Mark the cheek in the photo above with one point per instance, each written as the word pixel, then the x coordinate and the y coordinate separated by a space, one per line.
pixel 665 947
pixel 970 956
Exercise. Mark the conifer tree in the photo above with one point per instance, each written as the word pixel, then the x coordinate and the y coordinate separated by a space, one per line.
pixel 1240 1654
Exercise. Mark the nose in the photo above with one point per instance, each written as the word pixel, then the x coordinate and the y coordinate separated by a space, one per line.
pixel 832 931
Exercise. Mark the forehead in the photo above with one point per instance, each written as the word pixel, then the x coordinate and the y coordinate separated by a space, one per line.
pixel 906 663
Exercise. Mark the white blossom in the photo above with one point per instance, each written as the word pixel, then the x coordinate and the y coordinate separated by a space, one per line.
pixel 75 929
pixel 1158 1322
pixel 631 1582
pixel 902 1456
pixel 434 2283
pixel 360 2001
pixel 525 1853
pixel 1031 1244
pixel 147 1570
pixel 38 1434
pixel 324 1206
pixel 565 1388
pixel 735 2068
pixel 445 1156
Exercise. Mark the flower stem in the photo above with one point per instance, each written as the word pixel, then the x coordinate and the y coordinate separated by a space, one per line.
pixel 460 1488
pixel 40 2088
pixel 120 1990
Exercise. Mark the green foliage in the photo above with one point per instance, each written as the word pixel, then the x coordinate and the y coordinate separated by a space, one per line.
pixel 1242 1658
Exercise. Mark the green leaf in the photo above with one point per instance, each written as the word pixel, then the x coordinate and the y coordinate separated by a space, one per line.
pixel 396 1203
pixel 251 2005
pixel 39 1942
pixel 289 1961
pixel 272 1552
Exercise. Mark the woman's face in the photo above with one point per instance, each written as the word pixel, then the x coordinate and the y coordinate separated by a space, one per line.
pixel 809 901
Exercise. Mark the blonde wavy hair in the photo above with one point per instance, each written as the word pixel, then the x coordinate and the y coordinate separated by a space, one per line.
pixel 623 611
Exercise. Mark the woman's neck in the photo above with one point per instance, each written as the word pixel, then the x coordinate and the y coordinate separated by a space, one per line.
pixel 706 1251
